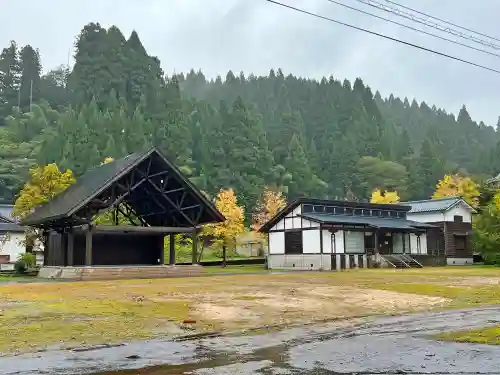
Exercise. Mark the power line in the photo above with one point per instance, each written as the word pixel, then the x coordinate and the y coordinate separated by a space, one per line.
pixel 441 20
pixel 423 21
pixel 413 28
pixel 382 36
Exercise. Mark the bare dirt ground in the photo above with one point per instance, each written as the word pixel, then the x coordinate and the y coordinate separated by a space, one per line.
pixel 67 315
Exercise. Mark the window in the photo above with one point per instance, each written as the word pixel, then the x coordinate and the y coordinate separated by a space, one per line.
pixel 307 208
pixel 348 211
pixel 376 213
pixel 366 213
pixel 385 213
pixel 358 212
pixel 458 219
pixel 319 209
pixel 330 210
pixel 293 242
pixel 402 215
pixel 340 210
pixel 394 213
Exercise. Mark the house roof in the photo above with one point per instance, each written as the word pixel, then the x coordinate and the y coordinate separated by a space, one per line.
pixel 373 222
pixel 434 205
pixel 266 227
pixel 6 210
pixel 103 178
pixel 6 227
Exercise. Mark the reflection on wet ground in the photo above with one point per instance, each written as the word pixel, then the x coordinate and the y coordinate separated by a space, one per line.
pixel 391 345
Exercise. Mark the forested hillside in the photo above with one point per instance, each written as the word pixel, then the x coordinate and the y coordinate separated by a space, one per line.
pixel 329 138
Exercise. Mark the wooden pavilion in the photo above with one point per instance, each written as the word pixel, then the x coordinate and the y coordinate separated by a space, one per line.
pixel 144 189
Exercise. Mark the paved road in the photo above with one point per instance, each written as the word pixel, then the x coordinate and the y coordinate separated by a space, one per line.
pixel 394 345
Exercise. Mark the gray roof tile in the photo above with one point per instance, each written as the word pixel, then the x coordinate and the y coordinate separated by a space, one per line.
pixel 432 205
pixel 377 222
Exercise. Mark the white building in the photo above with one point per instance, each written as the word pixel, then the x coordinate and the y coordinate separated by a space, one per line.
pixel 11 242
pixel 332 235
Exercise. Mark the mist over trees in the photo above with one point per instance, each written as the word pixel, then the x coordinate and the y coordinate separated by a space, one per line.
pixel 327 139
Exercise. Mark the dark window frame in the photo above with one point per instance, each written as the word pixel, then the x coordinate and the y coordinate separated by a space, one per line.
pixel 458 219
pixel 292 238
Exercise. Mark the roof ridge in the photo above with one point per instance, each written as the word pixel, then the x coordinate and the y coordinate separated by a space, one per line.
pixel 432 200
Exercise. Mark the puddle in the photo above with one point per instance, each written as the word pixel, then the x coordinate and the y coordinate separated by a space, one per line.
pixel 389 345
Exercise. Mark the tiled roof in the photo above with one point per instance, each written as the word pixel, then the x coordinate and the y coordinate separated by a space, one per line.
pixel 432 205
pixel 376 222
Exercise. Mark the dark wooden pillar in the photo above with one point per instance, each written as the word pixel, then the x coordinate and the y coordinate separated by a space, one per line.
pixel 171 258
pixel 70 245
pixel 195 247
pixel 161 247
pixel 375 242
pixel 88 245
pixel 46 250
pixel 403 236
pixel 224 255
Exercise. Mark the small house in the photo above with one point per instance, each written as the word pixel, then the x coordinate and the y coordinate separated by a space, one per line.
pixel 12 243
pixel 314 234
pixel 451 235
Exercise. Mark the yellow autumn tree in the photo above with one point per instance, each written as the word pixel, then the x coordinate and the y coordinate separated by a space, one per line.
pixel 455 185
pixel 45 182
pixel 384 197
pixel 226 232
pixel 269 204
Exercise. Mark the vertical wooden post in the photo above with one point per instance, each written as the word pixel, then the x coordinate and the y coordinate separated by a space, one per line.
pixel 161 247
pixel 71 243
pixel 224 255
pixel 403 235
pixel 195 247
pixel 171 257
pixel 88 245
pixel 375 242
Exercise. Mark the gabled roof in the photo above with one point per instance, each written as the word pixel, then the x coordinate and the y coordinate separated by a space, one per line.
pixel 373 222
pixel 435 205
pixel 290 207
pixel 101 179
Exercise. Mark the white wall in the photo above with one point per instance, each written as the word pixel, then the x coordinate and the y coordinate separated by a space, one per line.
pixel 426 217
pixel 339 242
pixel 461 210
pixel 327 241
pixel 311 241
pixel 13 246
pixel 276 242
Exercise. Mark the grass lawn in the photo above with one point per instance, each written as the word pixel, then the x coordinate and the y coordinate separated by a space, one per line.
pixel 214 270
pixel 66 314
pixel 480 336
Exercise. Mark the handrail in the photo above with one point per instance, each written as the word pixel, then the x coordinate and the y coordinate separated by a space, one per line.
pixel 400 258
pixel 413 260
pixel 384 258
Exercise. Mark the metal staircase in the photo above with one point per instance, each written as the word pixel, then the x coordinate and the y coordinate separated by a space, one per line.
pixel 401 261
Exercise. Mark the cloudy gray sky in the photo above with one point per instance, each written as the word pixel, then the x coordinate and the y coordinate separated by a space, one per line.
pixel 255 36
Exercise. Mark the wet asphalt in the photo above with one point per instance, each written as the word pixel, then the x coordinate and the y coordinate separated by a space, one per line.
pixel 388 345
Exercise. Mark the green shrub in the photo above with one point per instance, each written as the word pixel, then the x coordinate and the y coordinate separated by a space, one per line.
pixel 29 259
pixel 20 266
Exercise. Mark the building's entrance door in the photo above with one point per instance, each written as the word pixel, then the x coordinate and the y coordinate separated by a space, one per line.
pixel 385 243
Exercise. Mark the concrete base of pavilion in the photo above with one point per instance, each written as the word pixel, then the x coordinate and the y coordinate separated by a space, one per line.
pixel 117 272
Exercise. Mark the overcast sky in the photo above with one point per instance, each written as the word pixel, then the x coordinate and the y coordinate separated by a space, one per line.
pixel 255 36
